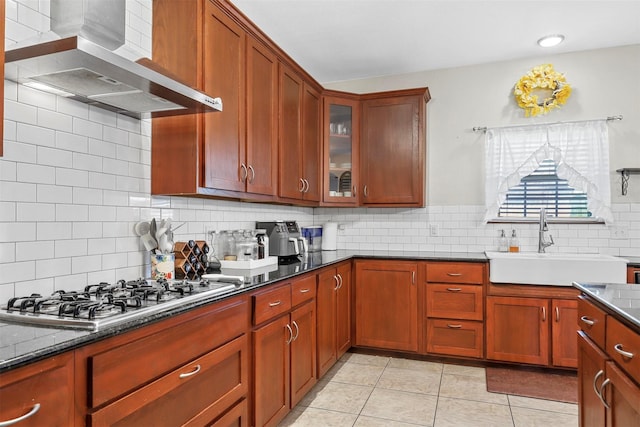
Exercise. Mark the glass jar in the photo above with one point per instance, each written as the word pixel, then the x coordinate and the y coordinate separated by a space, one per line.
pixel 263 243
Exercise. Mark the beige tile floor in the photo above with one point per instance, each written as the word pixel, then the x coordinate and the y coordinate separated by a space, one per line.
pixel 371 391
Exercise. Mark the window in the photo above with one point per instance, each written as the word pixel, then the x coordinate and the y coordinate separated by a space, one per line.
pixel 543 188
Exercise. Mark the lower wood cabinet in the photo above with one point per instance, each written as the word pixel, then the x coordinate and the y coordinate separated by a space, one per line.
pixel 284 350
pixel 334 315
pixel 40 394
pixel 386 304
pixel 536 331
pixel 195 394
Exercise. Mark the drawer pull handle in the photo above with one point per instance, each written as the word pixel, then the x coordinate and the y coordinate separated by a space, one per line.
pixel 454 326
pixel 290 334
pixel 188 374
pixel 304 291
pixel 588 321
pixel 454 289
pixel 601 396
pixel 29 414
pixel 454 274
pixel 618 348
pixel 273 304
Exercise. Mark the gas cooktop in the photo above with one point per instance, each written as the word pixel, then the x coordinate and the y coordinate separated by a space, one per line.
pixel 105 304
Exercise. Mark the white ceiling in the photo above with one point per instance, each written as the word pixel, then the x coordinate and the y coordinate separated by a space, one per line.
pixel 337 40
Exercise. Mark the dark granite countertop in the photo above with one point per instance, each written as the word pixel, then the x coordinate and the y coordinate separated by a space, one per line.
pixel 620 300
pixel 23 344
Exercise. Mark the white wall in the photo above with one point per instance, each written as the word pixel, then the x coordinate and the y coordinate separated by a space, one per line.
pixel 74 179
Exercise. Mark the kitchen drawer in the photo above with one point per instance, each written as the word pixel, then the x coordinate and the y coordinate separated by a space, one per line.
pixel 194 394
pixel 121 369
pixel 271 303
pixel 238 416
pixel 455 337
pixel 455 272
pixel 454 301
pixel 620 340
pixel 43 389
pixel 303 289
pixel 592 321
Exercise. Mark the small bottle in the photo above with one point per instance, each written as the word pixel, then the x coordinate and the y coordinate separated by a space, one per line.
pixel 514 244
pixel 503 242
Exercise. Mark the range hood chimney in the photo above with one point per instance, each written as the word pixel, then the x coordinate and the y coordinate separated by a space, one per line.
pixel 76 59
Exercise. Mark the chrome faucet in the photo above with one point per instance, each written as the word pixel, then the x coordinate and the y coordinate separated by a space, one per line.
pixel 542 242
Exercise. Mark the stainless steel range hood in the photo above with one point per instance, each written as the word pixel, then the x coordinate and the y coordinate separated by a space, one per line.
pixel 82 66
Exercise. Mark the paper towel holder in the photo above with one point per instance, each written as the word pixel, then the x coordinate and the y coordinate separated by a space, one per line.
pixel 330 236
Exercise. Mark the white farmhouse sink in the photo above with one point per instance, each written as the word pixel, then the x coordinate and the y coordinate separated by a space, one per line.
pixel 533 268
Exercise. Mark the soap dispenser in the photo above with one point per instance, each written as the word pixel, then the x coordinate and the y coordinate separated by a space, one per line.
pixel 503 242
pixel 514 244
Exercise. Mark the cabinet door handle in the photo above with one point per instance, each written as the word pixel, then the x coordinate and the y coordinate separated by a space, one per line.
pixel 297 330
pixel 601 396
pixel 301 189
pixel 273 304
pixel 340 281
pixel 544 314
pixel 454 326
pixel 335 277
pixel 413 277
pixel 354 189
pixel 588 321
pixel 244 174
pixel 454 289
pixel 253 174
pixel 595 382
pixel 304 291
pixel 365 191
pixel 454 274
pixel 188 374
pixel 306 186
pixel 290 334
pixel 557 314
pixel 29 414
pixel 618 348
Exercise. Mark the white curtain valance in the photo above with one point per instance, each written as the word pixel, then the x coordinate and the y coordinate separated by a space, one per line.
pixel 580 151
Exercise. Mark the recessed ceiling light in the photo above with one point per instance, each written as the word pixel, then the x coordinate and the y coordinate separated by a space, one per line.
pixel 552 40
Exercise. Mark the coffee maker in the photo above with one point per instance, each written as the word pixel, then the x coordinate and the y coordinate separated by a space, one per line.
pixel 285 240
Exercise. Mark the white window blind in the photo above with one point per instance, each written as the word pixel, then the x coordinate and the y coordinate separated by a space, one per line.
pixel 543 188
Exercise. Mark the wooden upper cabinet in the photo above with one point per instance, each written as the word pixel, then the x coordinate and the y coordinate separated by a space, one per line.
pixel 2 75
pixel 233 153
pixel 311 142
pixel 262 119
pixel 341 148
pixel 393 148
pixel 290 180
pixel 224 61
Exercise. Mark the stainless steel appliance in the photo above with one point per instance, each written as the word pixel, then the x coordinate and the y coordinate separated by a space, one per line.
pixel 105 304
pixel 76 59
pixel 285 240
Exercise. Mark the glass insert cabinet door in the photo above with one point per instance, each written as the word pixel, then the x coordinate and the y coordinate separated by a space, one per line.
pixel 341 150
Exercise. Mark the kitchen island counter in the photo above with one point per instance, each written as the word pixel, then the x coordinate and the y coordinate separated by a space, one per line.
pixel 619 300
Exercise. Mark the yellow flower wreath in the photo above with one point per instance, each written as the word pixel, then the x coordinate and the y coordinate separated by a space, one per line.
pixel 540 79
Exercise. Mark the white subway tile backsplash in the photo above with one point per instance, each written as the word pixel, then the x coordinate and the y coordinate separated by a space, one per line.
pixel 102 148
pixel 102 213
pixel 53 194
pixel 100 115
pixel 26 251
pixel 87 162
pixel 87 128
pixel 101 246
pixel 87 196
pixel 52 231
pixel 37 135
pixel 17 191
pixel 116 167
pixel 72 108
pixel 17 271
pixel 85 264
pixel 72 177
pixel 36 173
pixel 19 152
pixel 86 230
pixel 33 212
pixel 71 142
pixel 69 212
pixel 7 211
pixel 52 267
pixel 54 157
pixel 70 248
pixel 17 231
